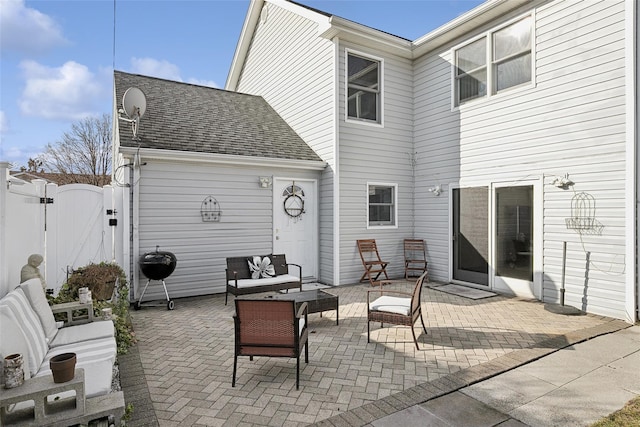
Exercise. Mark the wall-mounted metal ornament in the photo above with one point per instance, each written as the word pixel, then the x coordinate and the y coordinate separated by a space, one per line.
pixel 583 213
pixel 293 201
pixel 210 210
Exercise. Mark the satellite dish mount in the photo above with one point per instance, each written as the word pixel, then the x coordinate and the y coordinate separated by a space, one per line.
pixel 134 104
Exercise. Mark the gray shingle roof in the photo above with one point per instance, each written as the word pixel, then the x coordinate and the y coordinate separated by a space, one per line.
pixel 187 117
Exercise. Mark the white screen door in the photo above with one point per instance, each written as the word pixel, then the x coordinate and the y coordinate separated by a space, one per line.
pixel 295 223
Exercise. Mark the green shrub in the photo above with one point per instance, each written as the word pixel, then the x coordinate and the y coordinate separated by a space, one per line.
pixel 104 280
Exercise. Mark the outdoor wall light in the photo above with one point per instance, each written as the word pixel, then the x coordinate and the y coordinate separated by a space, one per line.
pixel 265 181
pixel 562 182
pixel 436 190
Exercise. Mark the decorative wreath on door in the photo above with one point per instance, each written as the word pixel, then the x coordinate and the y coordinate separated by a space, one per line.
pixel 293 201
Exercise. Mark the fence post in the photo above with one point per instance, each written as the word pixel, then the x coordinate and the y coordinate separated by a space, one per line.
pixel 51 238
pixel 4 271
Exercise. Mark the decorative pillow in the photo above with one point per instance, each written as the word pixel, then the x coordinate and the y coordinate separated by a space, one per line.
pixel 30 326
pixel 279 262
pixel 12 340
pixel 261 267
pixel 35 294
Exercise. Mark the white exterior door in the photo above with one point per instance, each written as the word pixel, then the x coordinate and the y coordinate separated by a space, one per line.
pixel 295 223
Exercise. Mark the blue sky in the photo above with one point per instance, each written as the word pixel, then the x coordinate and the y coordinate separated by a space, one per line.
pixel 57 57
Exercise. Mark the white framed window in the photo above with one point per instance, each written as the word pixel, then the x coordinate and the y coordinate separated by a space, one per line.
pixel 512 55
pixel 364 88
pixel 382 205
pixel 471 71
pixel 498 60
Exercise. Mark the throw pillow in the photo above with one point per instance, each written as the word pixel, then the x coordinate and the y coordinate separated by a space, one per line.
pixel 261 267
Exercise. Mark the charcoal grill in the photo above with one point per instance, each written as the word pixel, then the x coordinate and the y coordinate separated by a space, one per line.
pixel 157 266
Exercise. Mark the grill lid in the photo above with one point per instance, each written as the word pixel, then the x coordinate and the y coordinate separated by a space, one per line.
pixel 157 265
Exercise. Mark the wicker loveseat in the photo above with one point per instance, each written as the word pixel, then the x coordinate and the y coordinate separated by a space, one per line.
pixel 241 280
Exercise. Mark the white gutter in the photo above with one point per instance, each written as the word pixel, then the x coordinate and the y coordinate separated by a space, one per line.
pixel 472 19
pixel 226 159
pixel 352 31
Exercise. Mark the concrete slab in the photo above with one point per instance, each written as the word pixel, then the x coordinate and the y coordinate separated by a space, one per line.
pixel 460 410
pixel 570 407
pixel 632 333
pixel 410 417
pixel 600 350
pixel 509 390
pixel 561 367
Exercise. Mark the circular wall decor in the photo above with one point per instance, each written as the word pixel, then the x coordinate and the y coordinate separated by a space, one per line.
pixel 294 205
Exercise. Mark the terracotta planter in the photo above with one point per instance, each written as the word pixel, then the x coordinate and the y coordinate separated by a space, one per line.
pixel 63 367
pixel 13 371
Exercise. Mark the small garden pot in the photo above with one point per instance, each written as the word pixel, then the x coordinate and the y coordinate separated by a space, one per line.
pixel 13 370
pixel 63 367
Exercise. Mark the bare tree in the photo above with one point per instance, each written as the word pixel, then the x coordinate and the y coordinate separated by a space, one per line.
pixel 33 165
pixel 84 153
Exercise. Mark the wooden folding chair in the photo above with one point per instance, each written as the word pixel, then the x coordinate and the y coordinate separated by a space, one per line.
pixel 415 257
pixel 373 265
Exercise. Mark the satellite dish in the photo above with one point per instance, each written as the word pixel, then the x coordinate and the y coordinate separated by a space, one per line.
pixel 134 103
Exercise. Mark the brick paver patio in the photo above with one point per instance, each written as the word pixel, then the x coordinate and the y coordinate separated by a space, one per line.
pixel 183 374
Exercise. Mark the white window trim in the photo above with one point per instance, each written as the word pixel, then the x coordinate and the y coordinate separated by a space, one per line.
pixel 491 93
pixel 348 119
pixel 395 205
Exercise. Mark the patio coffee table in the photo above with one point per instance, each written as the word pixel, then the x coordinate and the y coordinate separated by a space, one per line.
pixel 317 300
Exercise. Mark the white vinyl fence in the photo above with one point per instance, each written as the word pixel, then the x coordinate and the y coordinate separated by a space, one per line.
pixel 70 226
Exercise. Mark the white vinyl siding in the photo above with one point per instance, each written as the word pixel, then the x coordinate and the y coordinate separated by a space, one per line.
pixel 373 153
pixel 572 121
pixel 171 195
pixel 293 70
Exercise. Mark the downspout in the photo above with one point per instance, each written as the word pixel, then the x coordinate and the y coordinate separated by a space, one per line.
pixel 336 164
pixel 632 77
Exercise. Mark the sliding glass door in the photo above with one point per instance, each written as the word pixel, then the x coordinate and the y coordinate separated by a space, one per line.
pixel 514 239
pixel 493 237
pixel 471 235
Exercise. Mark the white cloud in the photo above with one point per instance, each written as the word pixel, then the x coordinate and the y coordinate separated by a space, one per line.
pixel 4 122
pixel 199 82
pixel 165 70
pixel 155 68
pixel 27 30
pixel 67 92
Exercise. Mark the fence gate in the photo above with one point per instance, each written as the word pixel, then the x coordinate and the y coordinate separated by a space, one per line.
pixel 70 226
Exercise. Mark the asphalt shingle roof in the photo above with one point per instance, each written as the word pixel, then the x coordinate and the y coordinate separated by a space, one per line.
pixel 187 117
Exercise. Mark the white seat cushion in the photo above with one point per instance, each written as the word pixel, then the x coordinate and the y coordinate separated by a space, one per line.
pixel 35 294
pixel 30 326
pixel 97 377
pixel 86 332
pixel 391 304
pixel 249 283
pixel 94 350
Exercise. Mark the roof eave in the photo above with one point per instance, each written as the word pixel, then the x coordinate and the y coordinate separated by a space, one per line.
pixel 477 17
pixel 226 159
pixel 250 21
pixel 345 29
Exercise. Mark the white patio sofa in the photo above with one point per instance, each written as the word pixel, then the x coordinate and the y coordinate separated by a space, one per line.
pixel 29 328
